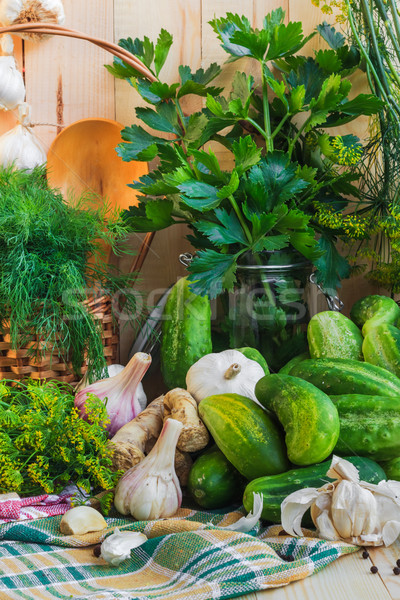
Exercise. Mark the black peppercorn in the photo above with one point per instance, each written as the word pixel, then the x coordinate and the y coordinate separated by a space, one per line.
pixel 398 562
pixel 396 571
pixel 365 554
pixel 97 551
pixel 374 569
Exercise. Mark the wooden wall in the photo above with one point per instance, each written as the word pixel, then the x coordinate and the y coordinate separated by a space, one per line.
pixel 66 81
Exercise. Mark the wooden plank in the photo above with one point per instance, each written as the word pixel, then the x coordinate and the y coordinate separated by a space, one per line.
pixel 348 578
pixel 183 20
pixel 65 78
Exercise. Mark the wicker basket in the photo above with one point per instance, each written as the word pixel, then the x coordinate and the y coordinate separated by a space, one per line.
pixel 17 364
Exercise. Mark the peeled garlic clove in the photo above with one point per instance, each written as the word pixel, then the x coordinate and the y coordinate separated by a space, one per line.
pixel 353 510
pixel 81 520
pixel 117 546
pixel 14 12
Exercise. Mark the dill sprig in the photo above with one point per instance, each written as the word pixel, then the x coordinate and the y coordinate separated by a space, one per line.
pixel 52 257
pixel 44 444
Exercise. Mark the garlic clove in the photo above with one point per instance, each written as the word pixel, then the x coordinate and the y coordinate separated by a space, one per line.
pixel 12 90
pixel 294 507
pixel 246 524
pixel 390 532
pixel 117 546
pixel 325 527
pixel 82 519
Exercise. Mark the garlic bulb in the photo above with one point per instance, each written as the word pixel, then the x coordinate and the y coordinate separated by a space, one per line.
pixel 347 509
pixel 223 373
pixel 150 490
pixel 121 393
pixel 12 89
pixel 117 546
pixel 82 519
pixel 31 11
pixel 20 147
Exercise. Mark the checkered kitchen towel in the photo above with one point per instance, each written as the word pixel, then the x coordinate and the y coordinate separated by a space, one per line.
pixel 189 556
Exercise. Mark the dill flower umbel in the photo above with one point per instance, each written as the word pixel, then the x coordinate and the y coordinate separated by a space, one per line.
pixel 44 444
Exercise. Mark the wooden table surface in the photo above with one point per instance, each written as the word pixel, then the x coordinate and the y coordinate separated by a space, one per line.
pixel 347 578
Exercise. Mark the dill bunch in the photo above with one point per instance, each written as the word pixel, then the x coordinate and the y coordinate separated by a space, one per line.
pixel 51 259
pixel 44 444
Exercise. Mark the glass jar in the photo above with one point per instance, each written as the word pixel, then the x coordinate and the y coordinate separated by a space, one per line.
pixel 269 309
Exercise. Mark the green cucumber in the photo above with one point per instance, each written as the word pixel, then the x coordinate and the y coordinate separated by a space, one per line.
pixel 392 468
pixel 254 354
pixel 213 481
pixel 285 370
pixel 249 438
pixel 308 416
pixel 381 347
pixel 369 426
pixel 332 335
pixel 186 333
pixel 275 488
pixel 344 376
pixel 374 310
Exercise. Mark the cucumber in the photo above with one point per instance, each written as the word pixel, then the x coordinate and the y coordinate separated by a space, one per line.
pixel 369 426
pixel 249 438
pixel 374 310
pixel 275 488
pixel 308 416
pixel 285 370
pixel 213 481
pixel 392 468
pixel 254 354
pixel 332 335
pixel 381 347
pixel 186 333
pixel 344 376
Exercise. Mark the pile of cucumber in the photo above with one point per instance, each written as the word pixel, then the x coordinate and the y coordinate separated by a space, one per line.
pixel 342 398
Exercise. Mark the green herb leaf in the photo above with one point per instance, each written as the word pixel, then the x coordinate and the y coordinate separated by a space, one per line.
pixel 195 128
pixel 271 242
pixel 164 118
pixel 208 160
pixel 331 266
pixel 333 38
pixel 150 216
pixel 246 153
pixel 212 272
pixel 163 46
pixel 329 61
pixel 141 144
pixel 143 49
pixel 305 243
pixel 231 187
pixel 229 231
pixel 225 27
pixel 198 195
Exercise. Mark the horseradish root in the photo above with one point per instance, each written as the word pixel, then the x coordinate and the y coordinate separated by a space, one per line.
pixel 180 405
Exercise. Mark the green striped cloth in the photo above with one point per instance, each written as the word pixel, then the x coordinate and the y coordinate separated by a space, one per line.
pixel 188 556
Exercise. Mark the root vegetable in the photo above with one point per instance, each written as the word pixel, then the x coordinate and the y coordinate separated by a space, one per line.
pixel 134 439
pixel 180 405
pixel 183 463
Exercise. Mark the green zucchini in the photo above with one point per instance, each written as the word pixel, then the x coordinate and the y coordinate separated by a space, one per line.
pixel 374 310
pixel 332 335
pixel 369 426
pixel 186 333
pixel 275 488
pixel 213 481
pixel 249 438
pixel 344 376
pixel 381 347
pixel 308 416
pixel 254 354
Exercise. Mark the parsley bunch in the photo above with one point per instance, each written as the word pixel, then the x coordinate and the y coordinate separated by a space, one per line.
pixel 276 128
pixel 44 444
